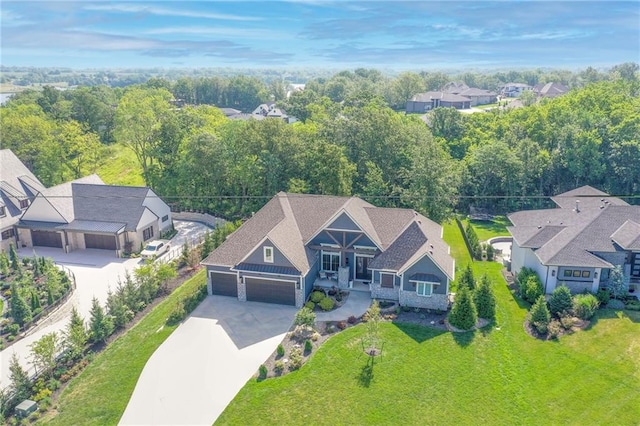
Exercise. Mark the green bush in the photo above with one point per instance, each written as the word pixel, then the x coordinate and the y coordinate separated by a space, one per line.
pixel 585 305
pixel 308 346
pixel 13 329
pixel 326 304
pixel 316 296
pixel 177 314
pixel 554 328
pixel 463 313
pixel 305 316
pixel 567 322
pixel 603 296
pixel 310 305
pixel 295 359
pixel 560 301
pixel 532 289
pixel 262 371
pixel 278 367
pixel 280 351
pixel 540 315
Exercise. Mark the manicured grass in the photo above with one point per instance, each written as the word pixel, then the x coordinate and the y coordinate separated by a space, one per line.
pixel 498 375
pixel 99 395
pixel 486 229
pixel 120 167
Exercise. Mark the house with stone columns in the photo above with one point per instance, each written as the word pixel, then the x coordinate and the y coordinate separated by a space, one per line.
pixel 299 241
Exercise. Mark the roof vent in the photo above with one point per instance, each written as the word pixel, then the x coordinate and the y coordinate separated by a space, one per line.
pixel 577 206
pixel 539 226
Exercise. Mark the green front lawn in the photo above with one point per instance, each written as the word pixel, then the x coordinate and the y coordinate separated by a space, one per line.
pixel 486 229
pixel 99 395
pixel 498 375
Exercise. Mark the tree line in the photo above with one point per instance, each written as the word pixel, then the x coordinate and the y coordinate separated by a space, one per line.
pixel 351 144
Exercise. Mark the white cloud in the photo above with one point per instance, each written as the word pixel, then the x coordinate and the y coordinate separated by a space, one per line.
pixel 255 33
pixel 154 10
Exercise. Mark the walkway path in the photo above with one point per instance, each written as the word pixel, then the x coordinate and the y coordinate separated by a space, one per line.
pixel 357 304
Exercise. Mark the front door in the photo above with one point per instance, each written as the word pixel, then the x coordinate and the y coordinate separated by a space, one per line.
pixel 362 268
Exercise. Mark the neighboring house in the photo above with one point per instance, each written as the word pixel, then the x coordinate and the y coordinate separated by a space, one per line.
pixel 278 255
pixel 513 90
pixel 455 87
pixel 479 96
pixel 550 90
pixel 579 242
pixel 424 102
pixel 18 188
pixel 270 110
pixel 86 213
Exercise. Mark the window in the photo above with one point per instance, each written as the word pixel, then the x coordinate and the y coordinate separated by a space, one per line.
pixel 3 211
pixel 147 234
pixel 424 289
pixel 386 280
pixel 268 254
pixel 8 234
pixel 567 272
pixel 165 218
pixel 586 274
pixel 576 273
pixel 330 261
pixel 24 204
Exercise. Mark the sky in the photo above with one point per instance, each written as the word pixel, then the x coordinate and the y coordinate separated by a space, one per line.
pixel 313 33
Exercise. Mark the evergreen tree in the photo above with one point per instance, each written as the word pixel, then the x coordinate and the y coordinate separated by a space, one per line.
pixel 100 326
pixel 35 300
pixel 532 289
pixel 19 378
pixel 4 263
pixel 75 336
pixel 13 256
pixel 20 311
pixel 560 301
pixel 50 298
pixel 207 246
pixel 117 309
pixel 540 315
pixel 463 313
pixel 617 284
pixel 485 300
pixel 467 279
pixel 474 243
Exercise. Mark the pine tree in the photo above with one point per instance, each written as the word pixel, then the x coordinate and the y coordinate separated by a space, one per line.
pixel 463 313
pixel 560 301
pixel 20 311
pixel 100 325
pixel 19 378
pixel 207 246
pixel 540 315
pixel 13 256
pixel 617 283
pixel 4 263
pixel 485 300
pixel 75 336
pixel 466 278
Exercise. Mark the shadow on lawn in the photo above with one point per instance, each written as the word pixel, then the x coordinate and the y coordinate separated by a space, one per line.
pixel 604 314
pixel 366 374
pixel 464 339
pixel 419 333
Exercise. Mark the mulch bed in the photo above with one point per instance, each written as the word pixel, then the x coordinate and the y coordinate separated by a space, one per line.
pixel 578 324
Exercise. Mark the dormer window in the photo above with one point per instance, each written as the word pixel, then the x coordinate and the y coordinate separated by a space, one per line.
pixel 3 211
pixel 268 254
pixel 24 204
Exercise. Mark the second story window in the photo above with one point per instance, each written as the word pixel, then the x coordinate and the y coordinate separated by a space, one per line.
pixel 268 254
pixel 24 204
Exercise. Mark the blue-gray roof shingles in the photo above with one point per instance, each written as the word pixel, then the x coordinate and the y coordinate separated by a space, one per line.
pixel 106 203
pixel 402 249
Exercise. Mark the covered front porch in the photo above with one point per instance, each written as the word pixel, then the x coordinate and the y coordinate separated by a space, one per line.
pixel 331 280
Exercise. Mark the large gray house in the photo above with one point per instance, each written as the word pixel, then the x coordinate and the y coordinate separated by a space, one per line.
pixel 298 240
pixel 578 243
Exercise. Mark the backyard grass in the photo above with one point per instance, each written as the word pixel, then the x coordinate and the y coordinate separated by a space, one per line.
pixel 99 395
pixel 486 229
pixel 498 375
pixel 120 167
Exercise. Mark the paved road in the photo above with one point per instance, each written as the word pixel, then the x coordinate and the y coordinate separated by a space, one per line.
pixel 200 368
pixel 96 271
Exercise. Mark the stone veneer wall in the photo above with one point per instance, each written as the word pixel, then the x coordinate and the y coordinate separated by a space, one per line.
pixel 378 292
pixel 436 301
pixel 242 290
pixel 299 298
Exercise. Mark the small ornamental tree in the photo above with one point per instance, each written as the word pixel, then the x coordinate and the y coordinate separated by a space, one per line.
pixel 13 257
pixel 485 300
pixel 100 325
pixel 490 252
pixel 372 327
pixel 305 317
pixel 617 283
pixel 467 279
pixel 532 289
pixel 540 315
pixel 4 263
pixel 75 335
pixel 207 245
pixel 43 353
pixel 463 313
pixel 20 311
pixel 19 378
pixel 560 301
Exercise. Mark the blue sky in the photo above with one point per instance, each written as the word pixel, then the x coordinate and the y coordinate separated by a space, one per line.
pixel 310 33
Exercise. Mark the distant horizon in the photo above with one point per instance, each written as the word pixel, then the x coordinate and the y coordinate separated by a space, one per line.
pixel 306 34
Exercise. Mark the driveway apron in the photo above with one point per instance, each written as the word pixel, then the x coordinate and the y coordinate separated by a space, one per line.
pixel 198 370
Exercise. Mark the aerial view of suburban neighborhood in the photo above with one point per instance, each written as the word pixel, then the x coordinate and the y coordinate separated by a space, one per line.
pixel 320 212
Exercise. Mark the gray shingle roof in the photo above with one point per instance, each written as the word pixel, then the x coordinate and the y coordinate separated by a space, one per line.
pixel 566 237
pixel 16 183
pixel 290 221
pixel 61 196
pixel 443 96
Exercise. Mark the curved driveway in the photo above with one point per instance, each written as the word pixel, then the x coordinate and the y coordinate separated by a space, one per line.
pixel 198 370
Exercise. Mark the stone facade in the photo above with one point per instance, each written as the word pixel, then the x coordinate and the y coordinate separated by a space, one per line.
pixel 378 292
pixel 242 291
pixel 436 301
pixel 299 298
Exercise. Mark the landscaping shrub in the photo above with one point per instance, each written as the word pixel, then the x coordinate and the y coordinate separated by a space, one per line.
pixel 317 296
pixel 341 325
pixel 485 300
pixel 554 328
pixel 490 252
pixel 474 243
pixel 13 329
pixel 302 332
pixel 540 315
pixel 567 322
pixel 295 359
pixel 308 346
pixel 352 319
pixel 585 305
pixel 310 305
pixel 632 305
pixel 532 289
pixel 560 301
pixel 262 371
pixel 615 304
pixel 463 313
pixel 280 351
pixel 603 295
pixel 305 316
pixel 326 304
pixel 177 314
pixel 278 367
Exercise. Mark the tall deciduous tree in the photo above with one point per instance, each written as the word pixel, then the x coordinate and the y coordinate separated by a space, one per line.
pixel 44 352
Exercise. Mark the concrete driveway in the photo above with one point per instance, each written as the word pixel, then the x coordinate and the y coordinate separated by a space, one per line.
pixel 199 369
